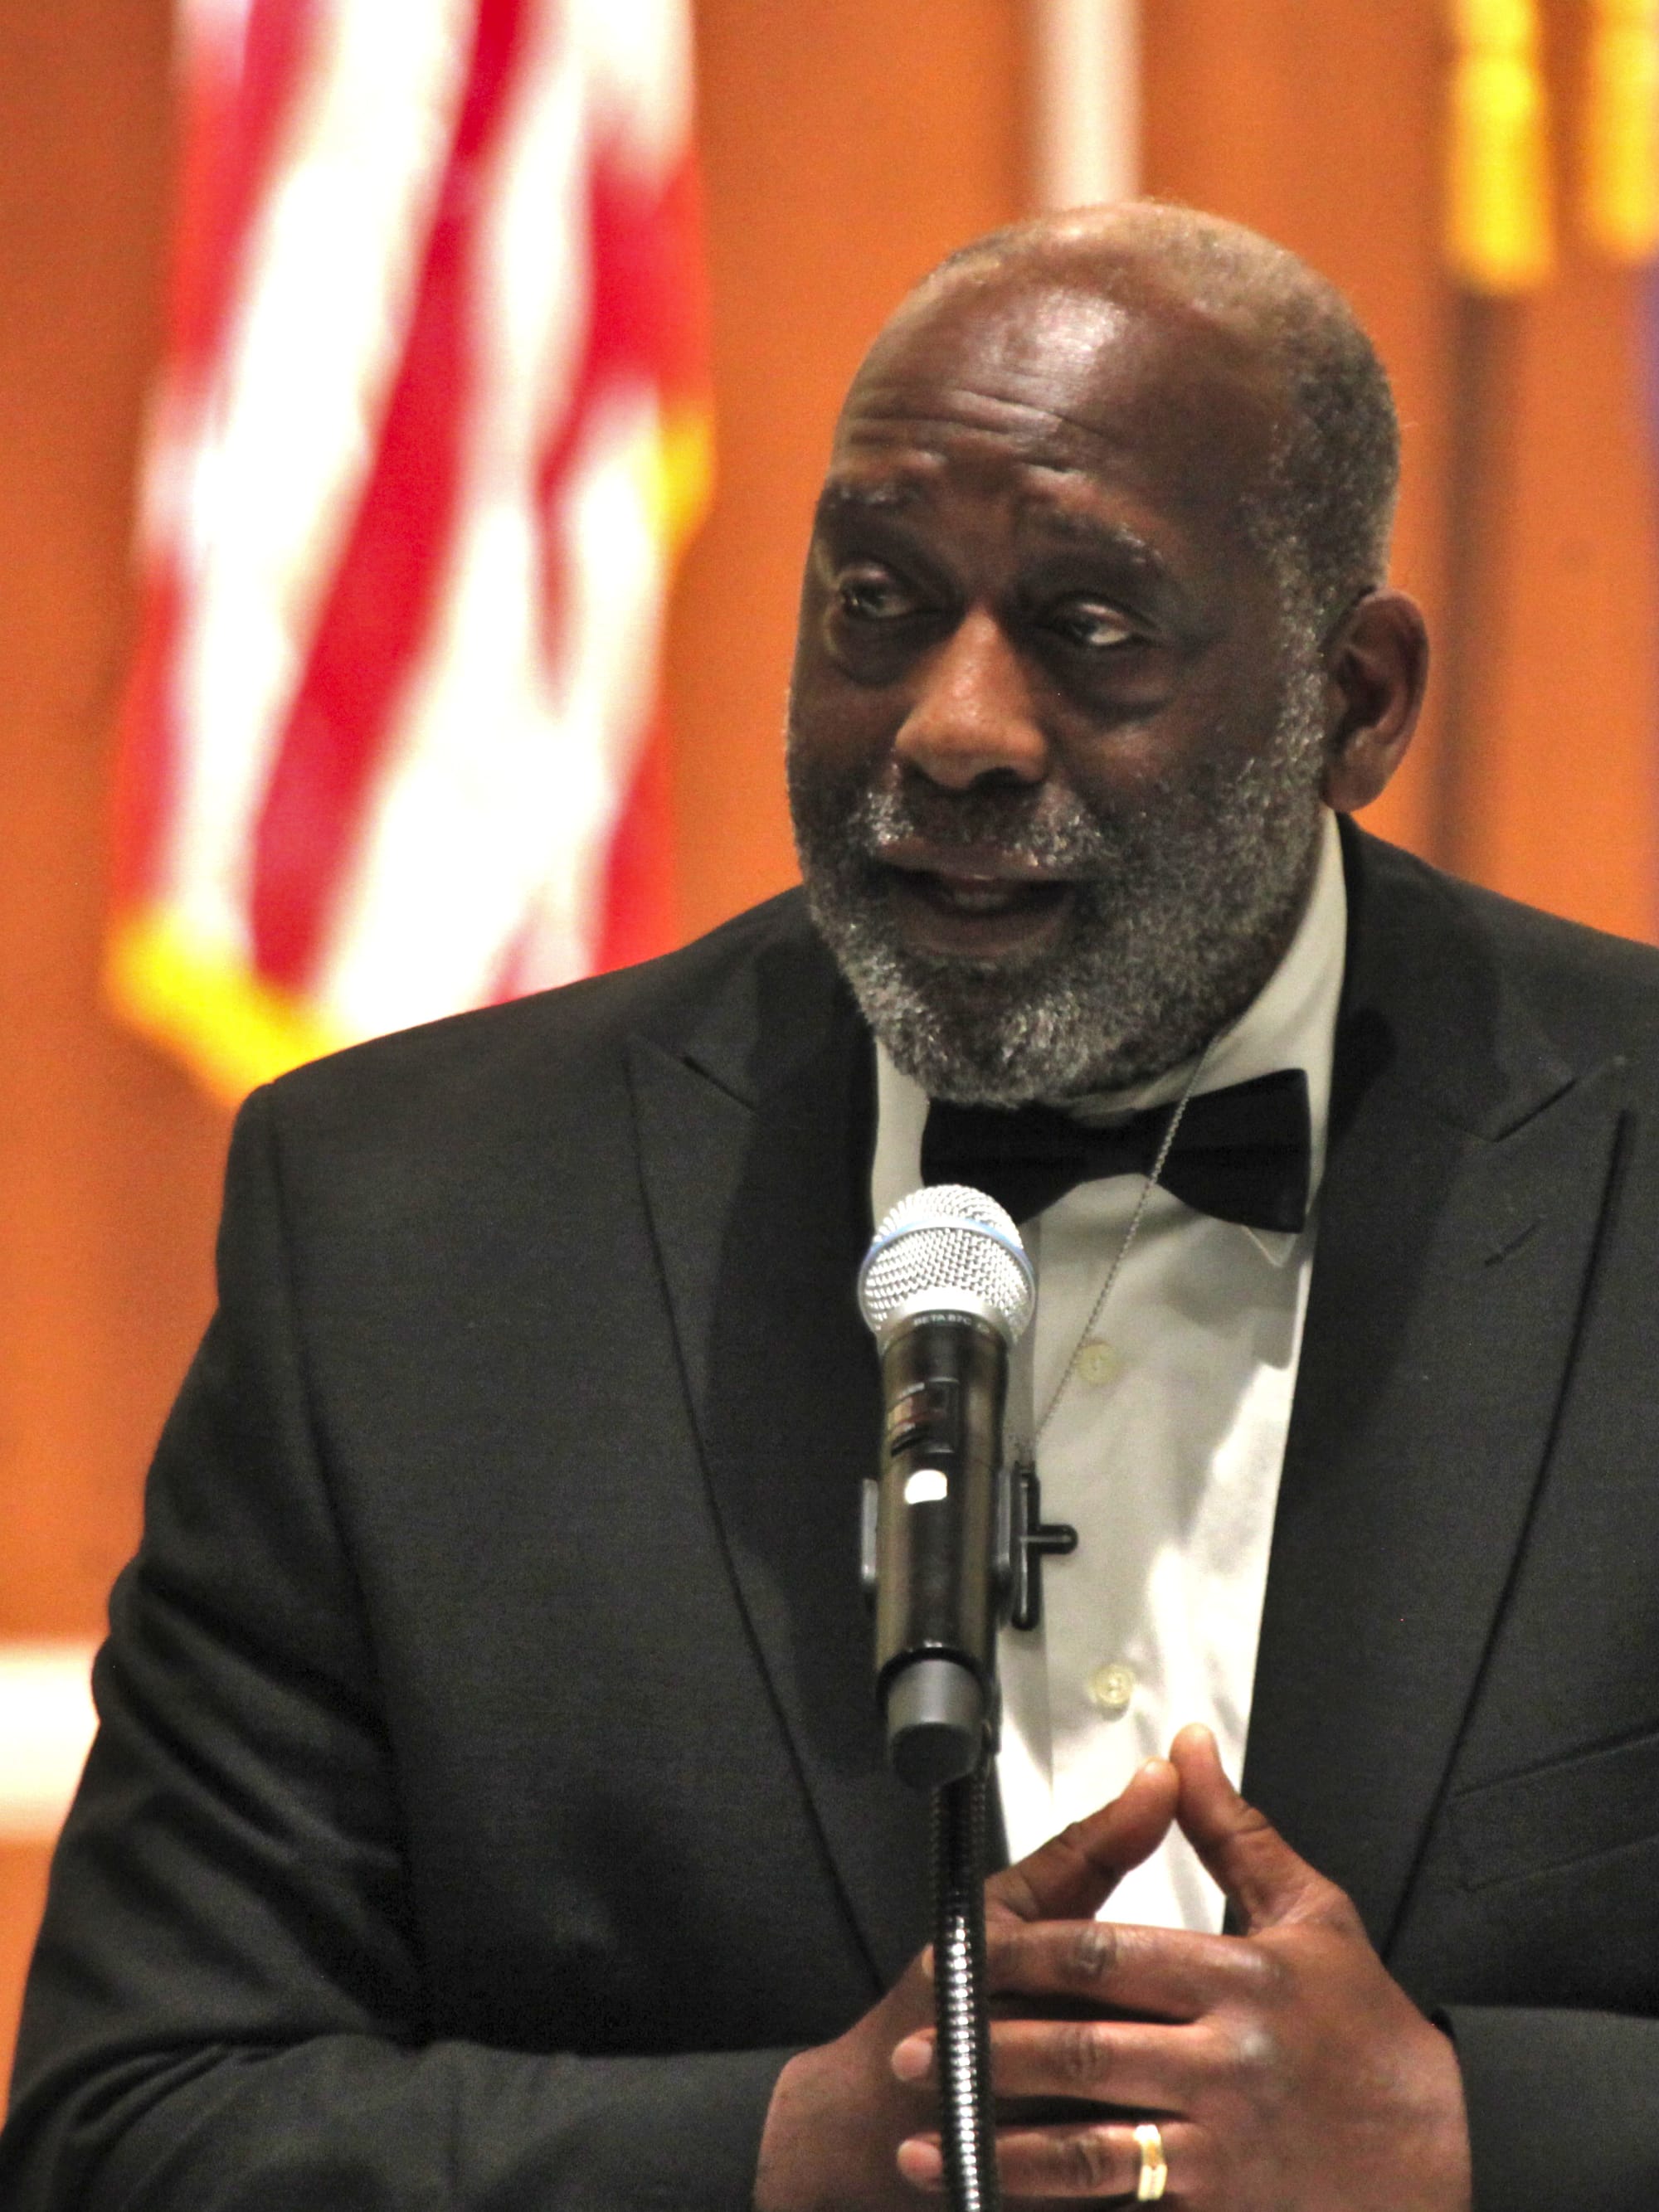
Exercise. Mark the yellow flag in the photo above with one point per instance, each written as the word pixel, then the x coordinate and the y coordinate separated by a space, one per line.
pixel 1499 229
pixel 1620 205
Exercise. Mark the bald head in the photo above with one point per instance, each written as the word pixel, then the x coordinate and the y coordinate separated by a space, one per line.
pixel 1320 505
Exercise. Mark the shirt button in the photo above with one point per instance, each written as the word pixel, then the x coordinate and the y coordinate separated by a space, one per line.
pixel 1112 1687
pixel 1097 1361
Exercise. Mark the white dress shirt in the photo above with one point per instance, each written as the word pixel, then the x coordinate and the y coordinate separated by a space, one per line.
pixel 1164 1446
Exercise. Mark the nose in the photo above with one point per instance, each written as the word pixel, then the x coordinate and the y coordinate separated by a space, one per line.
pixel 973 714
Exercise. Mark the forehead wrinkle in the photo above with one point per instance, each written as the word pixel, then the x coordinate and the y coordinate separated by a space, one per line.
pixel 914 483
pixel 975 409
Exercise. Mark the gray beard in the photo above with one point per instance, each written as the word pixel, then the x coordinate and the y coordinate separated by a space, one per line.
pixel 1186 905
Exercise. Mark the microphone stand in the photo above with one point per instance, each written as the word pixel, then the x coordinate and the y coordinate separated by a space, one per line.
pixel 967 2123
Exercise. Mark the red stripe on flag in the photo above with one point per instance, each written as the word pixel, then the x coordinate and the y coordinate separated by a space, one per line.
pixel 234 107
pixel 235 104
pixel 637 906
pixel 648 324
pixel 639 916
pixel 378 610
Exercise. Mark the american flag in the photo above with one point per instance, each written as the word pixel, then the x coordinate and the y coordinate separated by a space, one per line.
pixel 433 424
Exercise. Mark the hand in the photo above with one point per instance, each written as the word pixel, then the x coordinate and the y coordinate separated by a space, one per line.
pixel 1287 2072
pixel 840 2113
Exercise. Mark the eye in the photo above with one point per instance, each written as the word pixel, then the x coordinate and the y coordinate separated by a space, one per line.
pixel 869 592
pixel 1091 625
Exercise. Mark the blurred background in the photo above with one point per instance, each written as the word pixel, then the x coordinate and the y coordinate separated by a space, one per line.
pixel 377 633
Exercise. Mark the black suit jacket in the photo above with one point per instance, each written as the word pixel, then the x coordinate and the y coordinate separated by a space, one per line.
pixel 489 1794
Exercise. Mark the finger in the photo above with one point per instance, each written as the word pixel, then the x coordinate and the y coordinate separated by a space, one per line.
pixel 1074 1873
pixel 1077 2160
pixel 1109 2062
pixel 1164 1973
pixel 1102 2159
pixel 1241 1848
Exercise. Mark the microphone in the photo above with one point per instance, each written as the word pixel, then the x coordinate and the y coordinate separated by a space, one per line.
pixel 948 1290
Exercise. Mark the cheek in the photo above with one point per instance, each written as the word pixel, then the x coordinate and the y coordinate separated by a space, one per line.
pixel 1116 772
pixel 1220 718
pixel 836 726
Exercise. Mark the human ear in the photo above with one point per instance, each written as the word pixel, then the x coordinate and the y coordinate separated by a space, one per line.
pixel 1378 663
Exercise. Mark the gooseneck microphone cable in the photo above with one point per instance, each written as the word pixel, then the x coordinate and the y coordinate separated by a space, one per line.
pixel 966 2124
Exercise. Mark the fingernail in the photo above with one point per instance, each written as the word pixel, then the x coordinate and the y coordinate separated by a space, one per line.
pixel 913 2058
pixel 920 2163
pixel 927 1962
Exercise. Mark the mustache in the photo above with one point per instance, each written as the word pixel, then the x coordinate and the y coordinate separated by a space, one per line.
pixel 1039 828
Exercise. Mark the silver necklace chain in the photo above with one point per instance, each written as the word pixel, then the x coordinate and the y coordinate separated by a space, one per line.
pixel 1148 1184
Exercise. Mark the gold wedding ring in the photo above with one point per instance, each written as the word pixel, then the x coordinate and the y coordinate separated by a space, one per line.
pixel 1154 2177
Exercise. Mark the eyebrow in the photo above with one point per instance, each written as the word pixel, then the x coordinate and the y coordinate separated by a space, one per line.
pixel 1089 531
pixel 840 498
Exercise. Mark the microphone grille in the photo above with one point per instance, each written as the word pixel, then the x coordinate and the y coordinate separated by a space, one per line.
pixel 942 1238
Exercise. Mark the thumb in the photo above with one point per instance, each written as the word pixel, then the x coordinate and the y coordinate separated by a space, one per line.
pixel 1241 1848
pixel 1070 1876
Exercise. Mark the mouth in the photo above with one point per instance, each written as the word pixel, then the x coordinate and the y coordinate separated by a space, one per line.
pixel 973 905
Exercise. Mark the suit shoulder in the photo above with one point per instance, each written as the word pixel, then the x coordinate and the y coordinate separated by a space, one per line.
pixel 529 1049
pixel 1593 991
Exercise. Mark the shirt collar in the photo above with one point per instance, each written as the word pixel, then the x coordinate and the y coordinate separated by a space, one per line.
pixel 1291 1023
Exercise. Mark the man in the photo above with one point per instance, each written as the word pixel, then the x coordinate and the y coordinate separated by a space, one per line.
pixel 489 1808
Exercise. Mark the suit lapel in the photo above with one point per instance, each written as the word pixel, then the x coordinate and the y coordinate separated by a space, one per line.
pixel 755 1129
pixel 1468 1172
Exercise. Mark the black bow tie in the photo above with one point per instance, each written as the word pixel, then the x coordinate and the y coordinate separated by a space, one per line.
pixel 1239 1154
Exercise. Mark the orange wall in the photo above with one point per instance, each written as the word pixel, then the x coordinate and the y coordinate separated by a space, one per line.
pixel 1526 525
pixel 108 1161
pixel 847 143
pixel 1317 125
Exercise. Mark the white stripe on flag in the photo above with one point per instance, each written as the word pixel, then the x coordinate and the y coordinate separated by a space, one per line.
pixel 494 812
pixel 638 64
pixel 616 563
pixel 263 490
pixel 434 895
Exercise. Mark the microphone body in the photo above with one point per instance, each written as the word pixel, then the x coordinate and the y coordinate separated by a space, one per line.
pixel 947 1288
pixel 944 1381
